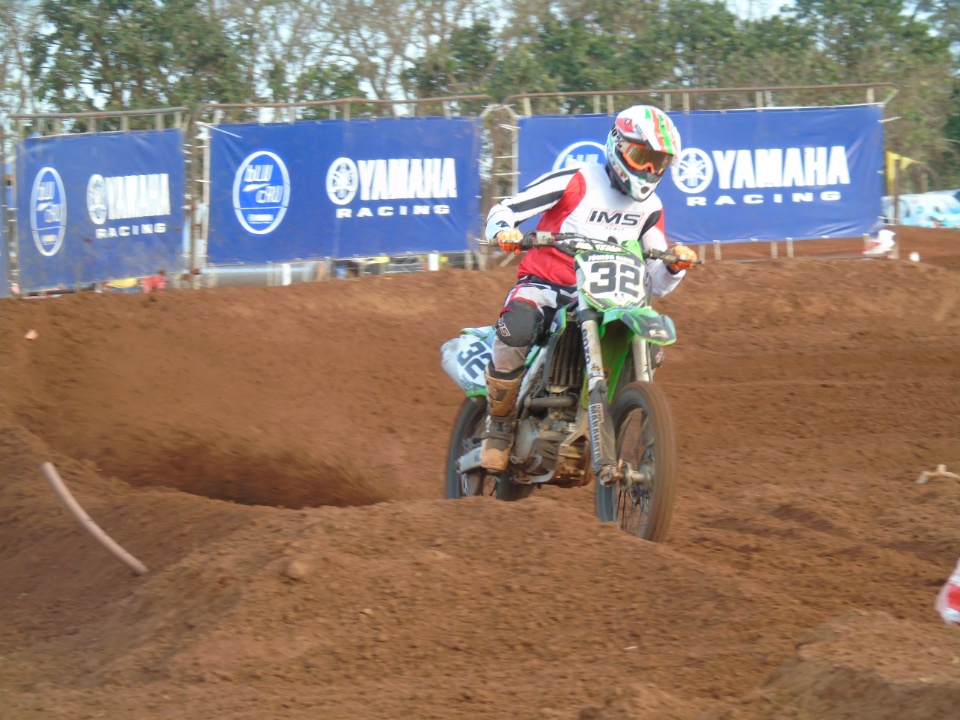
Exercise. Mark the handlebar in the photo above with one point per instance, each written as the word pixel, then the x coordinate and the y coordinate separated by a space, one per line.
pixel 569 243
pixel 574 243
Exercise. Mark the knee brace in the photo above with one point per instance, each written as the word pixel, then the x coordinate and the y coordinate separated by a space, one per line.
pixel 520 324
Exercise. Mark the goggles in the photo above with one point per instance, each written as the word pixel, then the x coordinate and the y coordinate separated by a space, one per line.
pixel 640 158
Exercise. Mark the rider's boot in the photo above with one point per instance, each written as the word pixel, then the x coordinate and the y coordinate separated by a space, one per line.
pixel 502 391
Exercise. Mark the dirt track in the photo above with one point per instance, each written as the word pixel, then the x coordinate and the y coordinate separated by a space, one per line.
pixel 274 456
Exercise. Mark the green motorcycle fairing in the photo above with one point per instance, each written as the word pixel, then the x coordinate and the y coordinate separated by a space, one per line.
pixel 644 322
pixel 622 320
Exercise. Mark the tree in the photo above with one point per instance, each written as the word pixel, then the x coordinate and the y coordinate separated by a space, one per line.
pixel 133 54
pixel 885 40
pixel 572 47
pixel 114 54
pixel 945 16
pixel 459 66
pixel 18 21
pixel 385 42
pixel 289 47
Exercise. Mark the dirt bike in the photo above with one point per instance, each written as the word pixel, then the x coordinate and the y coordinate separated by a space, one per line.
pixel 587 409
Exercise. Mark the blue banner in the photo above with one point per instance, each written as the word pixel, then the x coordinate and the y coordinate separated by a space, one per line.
pixel 744 175
pixel 343 188
pixel 92 208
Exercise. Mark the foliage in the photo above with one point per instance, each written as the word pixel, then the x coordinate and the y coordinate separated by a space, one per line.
pixel 18 21
pixel 458 66
pixel 883 40
pixel 132 54
pixel 74 55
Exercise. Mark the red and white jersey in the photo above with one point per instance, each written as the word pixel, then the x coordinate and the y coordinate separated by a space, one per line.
pixel 582 200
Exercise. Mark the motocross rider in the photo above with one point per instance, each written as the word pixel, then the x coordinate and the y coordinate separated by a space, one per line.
pixel 613 201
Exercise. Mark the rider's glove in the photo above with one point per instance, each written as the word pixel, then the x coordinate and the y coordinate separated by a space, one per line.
pixel 688 257
pixel 509 240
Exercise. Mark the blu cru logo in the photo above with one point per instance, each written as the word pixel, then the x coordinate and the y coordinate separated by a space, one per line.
pixel 48 213
pixel 261 192
pixel 580 153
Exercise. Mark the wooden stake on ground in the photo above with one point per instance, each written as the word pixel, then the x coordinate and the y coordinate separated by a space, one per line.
pixel 940 472
pixel 53 477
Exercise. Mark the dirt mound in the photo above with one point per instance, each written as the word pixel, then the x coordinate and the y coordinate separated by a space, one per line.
pixel 869 664
pixel 274 456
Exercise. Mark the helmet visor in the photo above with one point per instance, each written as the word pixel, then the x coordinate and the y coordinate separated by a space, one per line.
pixel 641 159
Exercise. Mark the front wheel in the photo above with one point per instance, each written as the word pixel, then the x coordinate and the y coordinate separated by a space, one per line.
pixel 646 445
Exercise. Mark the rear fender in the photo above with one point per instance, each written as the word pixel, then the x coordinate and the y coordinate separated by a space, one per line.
pixel 465 359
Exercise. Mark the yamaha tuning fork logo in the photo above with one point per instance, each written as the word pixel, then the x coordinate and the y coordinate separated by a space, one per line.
pixel 261 192
pixel 693 171
pixel 97 199
pixel 343 181
pixel 48 211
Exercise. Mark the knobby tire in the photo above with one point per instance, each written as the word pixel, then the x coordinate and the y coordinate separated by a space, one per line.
pixel 644 514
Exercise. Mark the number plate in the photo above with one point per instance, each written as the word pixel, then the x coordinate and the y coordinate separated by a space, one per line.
pixel 611 280
pixel 465 358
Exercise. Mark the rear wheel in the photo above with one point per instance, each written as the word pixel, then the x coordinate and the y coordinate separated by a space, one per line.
pixel 642 505
pixel 466 437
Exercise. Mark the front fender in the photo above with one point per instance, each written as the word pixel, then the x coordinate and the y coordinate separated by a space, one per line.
pixel 646 323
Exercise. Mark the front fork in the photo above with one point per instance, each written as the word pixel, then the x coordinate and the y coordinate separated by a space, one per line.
pixel 602 440
pixel 642 367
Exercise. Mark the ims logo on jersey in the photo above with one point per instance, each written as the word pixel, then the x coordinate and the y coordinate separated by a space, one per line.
pixel 615 217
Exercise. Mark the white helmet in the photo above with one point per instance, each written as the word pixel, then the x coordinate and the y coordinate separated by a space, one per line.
pixel 640 147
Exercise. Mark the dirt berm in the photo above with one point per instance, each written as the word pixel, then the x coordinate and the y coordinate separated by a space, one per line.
pixel 274 456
